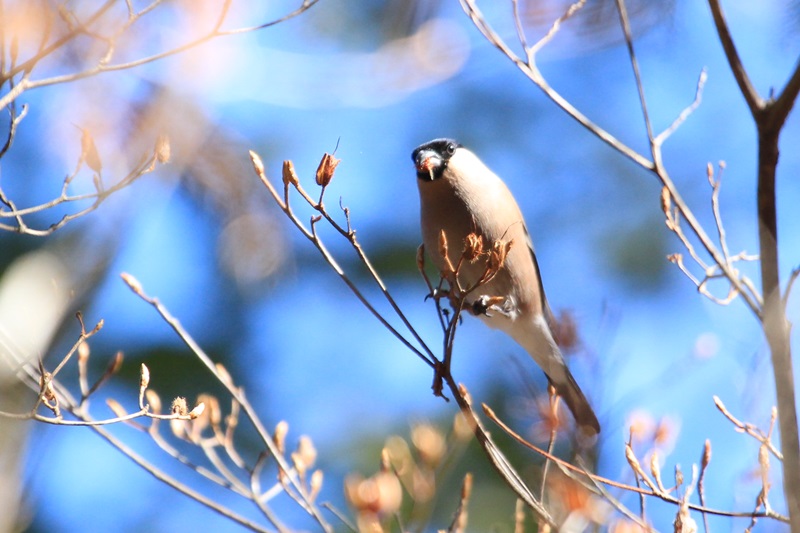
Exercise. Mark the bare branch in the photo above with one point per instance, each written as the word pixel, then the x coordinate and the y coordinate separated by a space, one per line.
pixel 754 101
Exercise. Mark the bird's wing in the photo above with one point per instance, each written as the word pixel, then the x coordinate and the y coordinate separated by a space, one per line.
pixel 548 313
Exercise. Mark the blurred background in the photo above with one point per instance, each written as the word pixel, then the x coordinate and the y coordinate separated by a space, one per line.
pixel 377 79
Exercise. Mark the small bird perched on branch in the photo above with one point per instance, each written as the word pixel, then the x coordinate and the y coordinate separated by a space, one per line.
pixel 460 198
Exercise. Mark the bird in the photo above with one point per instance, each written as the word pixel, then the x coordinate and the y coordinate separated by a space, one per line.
pixel 459 196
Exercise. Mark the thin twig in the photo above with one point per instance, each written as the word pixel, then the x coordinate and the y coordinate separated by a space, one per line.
pixel 611 483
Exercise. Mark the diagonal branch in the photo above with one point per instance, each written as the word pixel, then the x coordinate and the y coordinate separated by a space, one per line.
pixel 751 96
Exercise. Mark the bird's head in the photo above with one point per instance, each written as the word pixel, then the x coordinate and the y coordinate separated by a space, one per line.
pixel 431 159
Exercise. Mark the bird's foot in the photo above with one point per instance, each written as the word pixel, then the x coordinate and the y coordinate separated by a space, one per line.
pixel 485 303
pixel 437 294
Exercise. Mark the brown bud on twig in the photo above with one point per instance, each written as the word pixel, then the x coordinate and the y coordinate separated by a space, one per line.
pixel 258 164
pixel 666 202
pixel 421 257
pixel 305 456
pixel 473 247
pixel 678 476
pixel 89 152
pixel 144 377
pixel 655 471
pixel 634 462
pixel 326 169
pixel 706 459
pixel 279 437
pixel 315 485
pixel 497 257
pixel 223 374
pixel 132 283
pixel 83 352
pixel 197 411
pixel 289 175
pixel 430 444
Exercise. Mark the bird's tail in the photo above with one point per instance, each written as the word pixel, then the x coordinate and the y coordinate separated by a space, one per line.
pixel 569 390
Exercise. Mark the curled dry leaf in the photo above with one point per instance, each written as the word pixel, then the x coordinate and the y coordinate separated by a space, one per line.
pixel 473 247
pixel 326 169
pixel 289 174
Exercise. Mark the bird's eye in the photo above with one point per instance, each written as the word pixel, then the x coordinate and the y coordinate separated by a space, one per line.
pixel 451 148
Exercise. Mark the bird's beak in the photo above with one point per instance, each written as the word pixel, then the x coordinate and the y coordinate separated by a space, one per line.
pixel 427 161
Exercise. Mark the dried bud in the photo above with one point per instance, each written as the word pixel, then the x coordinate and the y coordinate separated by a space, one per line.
pixel 497 257
pixel 289 175
pixel 144 377
pixel 214 412
pixel 381 494
pixel 280 435
pixel 83 352
pixel 306 454
pixel 223 374
pixel 421 257
pixel 430 443
pixel 666 201
pixel 633 461
pixel 89 152
pixel 675 258
pixel 197 411
pixel 315 485
pixel 655 470
pixel 706 459
pixel 163 149
pixel 326 169
pixel 473 247
pixel 710 173
pixel 179 406
pixel 258 164
pixel 132 282
pixel 462 390
pixel 678 476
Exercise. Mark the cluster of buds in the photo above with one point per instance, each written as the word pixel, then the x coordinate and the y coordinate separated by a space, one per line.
pixel 407 466
pixel 475 249
pixel 303 459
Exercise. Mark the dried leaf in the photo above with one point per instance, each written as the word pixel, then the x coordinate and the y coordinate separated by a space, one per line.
pixel 326 169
